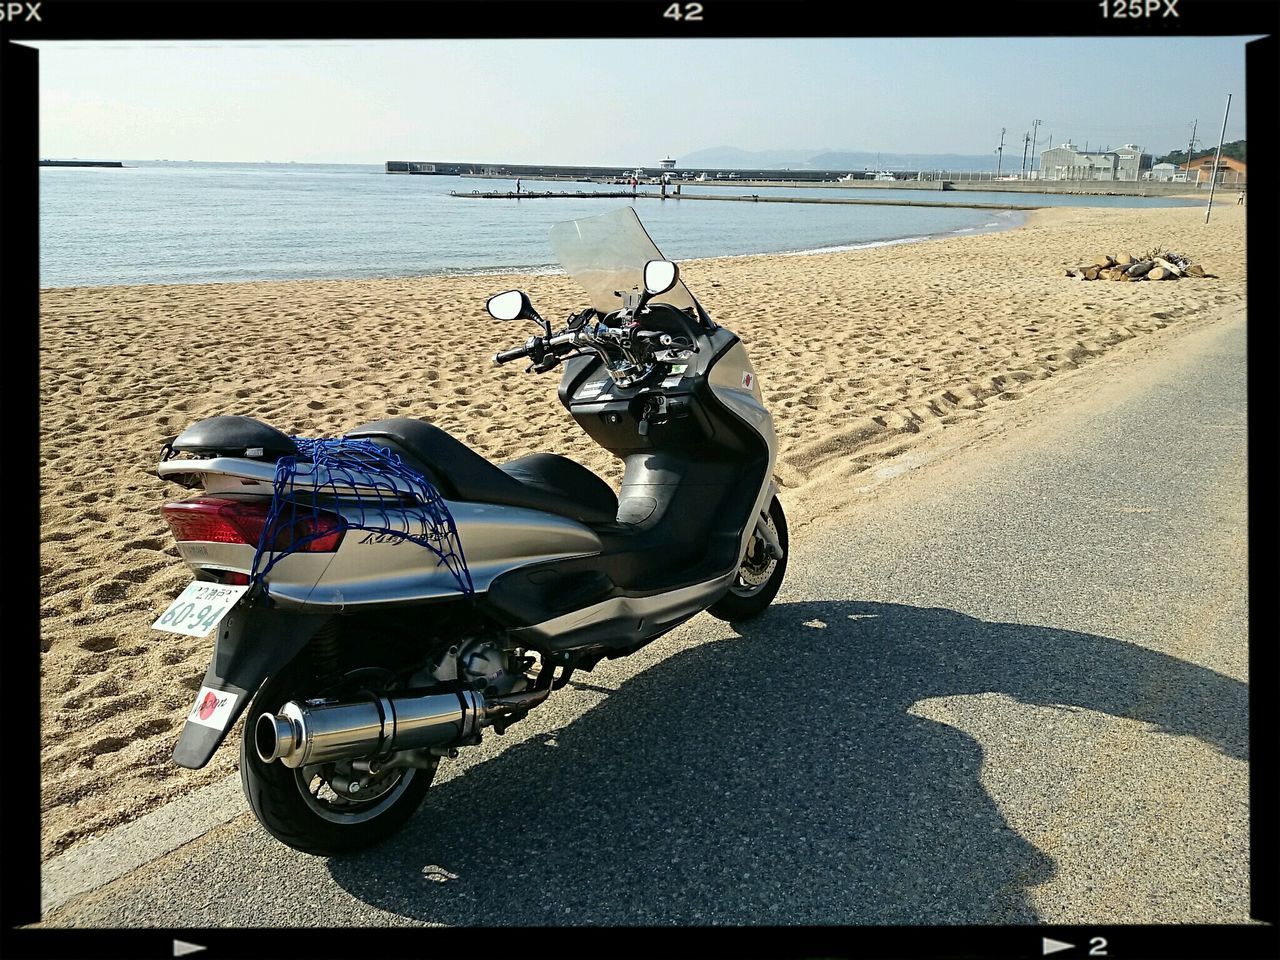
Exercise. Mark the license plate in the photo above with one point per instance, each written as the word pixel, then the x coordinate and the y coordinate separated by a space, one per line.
pixel 199 608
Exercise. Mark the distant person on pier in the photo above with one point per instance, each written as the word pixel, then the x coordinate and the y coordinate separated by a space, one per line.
pixel 633 186
pixel 517 184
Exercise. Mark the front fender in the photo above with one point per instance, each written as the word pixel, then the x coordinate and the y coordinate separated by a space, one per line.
pixel 253 642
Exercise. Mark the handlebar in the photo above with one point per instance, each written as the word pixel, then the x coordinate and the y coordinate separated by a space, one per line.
pixel 545 352
pixel 506 356
pixel 536 348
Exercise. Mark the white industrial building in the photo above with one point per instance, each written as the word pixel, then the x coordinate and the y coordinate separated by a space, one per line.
pixel 1066 162
pixel 1165 172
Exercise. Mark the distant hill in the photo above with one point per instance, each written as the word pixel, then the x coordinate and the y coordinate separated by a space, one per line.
pixel 828 159
pixel 1235 150
pixel 914 161
pixel 749 159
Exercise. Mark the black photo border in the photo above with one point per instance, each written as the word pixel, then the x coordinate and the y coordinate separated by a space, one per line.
pixel 473 19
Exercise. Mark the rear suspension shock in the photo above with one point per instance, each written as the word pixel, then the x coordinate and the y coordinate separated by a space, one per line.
pixel 324 650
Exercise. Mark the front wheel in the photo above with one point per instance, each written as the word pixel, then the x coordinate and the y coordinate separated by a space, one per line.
pixel 307 807
pixel 759 576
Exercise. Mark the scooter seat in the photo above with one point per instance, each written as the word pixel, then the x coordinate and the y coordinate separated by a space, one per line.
pixel 540 481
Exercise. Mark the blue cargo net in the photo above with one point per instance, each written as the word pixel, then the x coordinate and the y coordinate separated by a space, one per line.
pixel 375 491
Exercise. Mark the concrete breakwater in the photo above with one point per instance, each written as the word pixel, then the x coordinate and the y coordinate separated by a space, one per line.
pixel 81 163
pixel 748 198
pixel 831 179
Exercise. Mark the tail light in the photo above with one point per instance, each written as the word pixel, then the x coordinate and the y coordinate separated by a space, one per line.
pixel 223 520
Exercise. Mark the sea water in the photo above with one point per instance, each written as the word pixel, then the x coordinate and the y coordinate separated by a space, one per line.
pixel 191 222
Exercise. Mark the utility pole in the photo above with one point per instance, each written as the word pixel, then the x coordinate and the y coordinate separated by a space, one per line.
pixel 1035 143
pixel 1191 145
pixel 1213 182
pixel 1026 139
pixel 1000 154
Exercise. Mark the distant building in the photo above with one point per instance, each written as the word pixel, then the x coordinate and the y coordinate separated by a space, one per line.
pixel 1131 162
pixel 405 166
pixel 1229 171
pixel 1163 171
pixel 1066 162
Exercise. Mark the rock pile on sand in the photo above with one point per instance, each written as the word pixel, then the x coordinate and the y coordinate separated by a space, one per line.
pixel 1156 264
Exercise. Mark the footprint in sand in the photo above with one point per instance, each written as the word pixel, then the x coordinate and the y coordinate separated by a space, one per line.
pixel 98 644
pixel 157 725
pixel 108 745
pixel 110 591
pixel 147 543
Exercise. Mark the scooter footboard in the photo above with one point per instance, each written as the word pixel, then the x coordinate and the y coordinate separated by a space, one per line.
pixel 622 621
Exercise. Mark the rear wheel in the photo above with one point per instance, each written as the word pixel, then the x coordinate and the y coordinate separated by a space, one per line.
pixel 312 808
pixel 759 576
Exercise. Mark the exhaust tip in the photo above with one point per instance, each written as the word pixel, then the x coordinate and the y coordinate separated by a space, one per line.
pixel 273 738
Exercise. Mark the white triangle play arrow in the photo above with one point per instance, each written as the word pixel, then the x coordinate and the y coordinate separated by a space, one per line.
pixel 1053 946
pixel 181 948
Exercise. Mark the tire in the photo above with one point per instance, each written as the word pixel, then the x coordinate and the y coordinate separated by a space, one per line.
pixel 280 799
pixel 750 595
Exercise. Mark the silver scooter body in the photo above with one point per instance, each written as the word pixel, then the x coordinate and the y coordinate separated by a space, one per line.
pixel 369 569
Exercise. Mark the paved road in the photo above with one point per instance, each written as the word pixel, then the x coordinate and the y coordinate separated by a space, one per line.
pixel 1008 687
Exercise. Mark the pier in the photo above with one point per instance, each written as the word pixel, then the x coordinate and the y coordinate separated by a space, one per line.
pixel 748 198
pixel 742 179
pixel 542 194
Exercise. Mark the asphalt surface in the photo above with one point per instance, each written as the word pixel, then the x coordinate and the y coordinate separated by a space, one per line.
pixel 1009 687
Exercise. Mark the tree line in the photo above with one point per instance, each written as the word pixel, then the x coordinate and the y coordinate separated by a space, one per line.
pixel 1234 150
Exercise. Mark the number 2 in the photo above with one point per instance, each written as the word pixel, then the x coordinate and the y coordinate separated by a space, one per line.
pixel 1099 945
pixel 684 11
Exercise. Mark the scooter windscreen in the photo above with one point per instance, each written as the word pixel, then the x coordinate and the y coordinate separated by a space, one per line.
pixel 607 254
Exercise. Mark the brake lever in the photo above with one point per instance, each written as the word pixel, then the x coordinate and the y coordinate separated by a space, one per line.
pixel 549 362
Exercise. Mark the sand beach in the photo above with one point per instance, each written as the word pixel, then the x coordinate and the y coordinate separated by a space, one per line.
pixel 862 356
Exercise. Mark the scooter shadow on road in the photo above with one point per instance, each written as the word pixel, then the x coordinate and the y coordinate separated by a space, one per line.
pixel 777 777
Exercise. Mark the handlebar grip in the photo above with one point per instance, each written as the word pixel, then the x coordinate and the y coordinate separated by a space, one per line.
pixel 506 356
pixel 562 341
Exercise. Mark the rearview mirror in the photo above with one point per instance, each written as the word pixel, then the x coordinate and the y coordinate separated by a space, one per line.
pixel 509 305
pixel 660 276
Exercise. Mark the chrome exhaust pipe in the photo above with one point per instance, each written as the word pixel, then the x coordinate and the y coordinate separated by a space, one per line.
pixel 301 734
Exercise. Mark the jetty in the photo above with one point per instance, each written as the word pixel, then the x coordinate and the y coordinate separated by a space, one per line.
pixel 542 194
pixel 747 198
pixel 81 163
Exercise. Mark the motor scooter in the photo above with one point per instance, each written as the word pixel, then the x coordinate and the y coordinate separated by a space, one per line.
pixel 379 599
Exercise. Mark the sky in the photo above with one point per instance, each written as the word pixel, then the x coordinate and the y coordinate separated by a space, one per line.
pixel 626 102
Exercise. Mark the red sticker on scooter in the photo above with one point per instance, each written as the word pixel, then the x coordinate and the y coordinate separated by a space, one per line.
pixel 212 708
